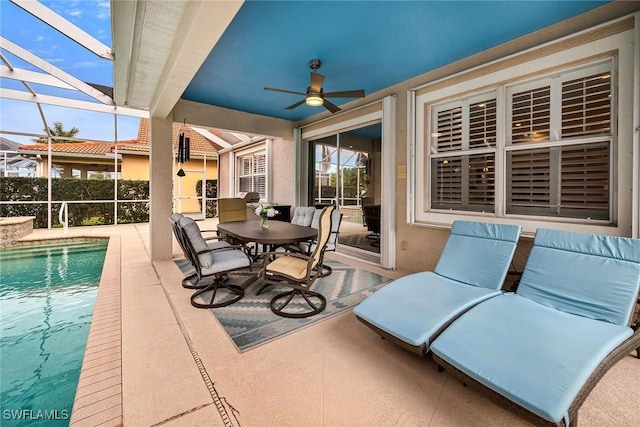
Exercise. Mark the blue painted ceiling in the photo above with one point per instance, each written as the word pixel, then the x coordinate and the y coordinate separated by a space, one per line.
pixel 368 45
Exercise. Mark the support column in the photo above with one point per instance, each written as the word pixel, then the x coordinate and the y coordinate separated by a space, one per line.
pixel 160 187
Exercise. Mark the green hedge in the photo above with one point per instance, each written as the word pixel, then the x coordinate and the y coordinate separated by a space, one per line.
pixel 35 189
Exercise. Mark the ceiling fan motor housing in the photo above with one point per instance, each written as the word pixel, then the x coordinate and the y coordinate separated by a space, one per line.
pixel 314 64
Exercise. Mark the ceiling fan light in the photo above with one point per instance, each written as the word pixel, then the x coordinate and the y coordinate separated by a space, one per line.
pixel 314 101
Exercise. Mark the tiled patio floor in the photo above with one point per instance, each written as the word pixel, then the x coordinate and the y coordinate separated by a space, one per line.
pixel 180 369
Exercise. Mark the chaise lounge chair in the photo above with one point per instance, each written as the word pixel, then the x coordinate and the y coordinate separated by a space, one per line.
pixel 413 310
pixel 541 350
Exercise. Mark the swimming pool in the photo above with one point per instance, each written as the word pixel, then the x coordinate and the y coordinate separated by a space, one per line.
pixel 47 295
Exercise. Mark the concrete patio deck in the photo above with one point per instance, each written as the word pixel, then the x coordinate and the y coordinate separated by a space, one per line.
pixel 179 368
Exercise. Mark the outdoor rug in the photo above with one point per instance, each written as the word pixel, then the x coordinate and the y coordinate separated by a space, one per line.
pixel 250 321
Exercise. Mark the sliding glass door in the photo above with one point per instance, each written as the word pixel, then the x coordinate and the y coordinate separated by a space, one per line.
pixel 346 172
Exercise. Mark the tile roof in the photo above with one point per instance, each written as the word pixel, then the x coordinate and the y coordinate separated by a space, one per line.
pixel 95 148
pixel 199 144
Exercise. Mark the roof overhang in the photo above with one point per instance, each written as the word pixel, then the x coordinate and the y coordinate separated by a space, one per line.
pixel 159 47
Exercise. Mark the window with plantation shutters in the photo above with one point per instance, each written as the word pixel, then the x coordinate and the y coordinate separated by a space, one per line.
pixel 554 138
pixel 463 150
pixel 569 117
pixel 253 173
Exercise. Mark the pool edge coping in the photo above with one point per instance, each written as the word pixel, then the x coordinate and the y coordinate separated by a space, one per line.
pixel 98 399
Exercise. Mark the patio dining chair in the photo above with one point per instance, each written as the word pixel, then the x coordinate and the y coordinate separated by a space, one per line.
pixel 332 243
pixel 212 263
pixel 212 242
pixel 303 215
pixel 413 310
pixel 298 272
pixel 541 350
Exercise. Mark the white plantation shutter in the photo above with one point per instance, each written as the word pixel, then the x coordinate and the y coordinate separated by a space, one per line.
pixel 557 147
pixel 460 178
pixel 481 182
pixel 253 173
pixel 586 106
pixel 530 115
pixel 529 181
pixel 446 183
pixel 580 173
pixel 448 134
pixel 584 181
pixel 482 124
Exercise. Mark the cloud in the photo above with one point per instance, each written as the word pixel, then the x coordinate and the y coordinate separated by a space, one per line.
pixel 86 64
pixel 74 13
pixel 41 38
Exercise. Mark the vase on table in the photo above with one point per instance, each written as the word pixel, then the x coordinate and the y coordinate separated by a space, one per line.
pixel 264 222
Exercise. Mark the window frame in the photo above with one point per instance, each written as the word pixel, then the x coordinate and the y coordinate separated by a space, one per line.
pixel 259 150
pixel 506 146
pixel 564 54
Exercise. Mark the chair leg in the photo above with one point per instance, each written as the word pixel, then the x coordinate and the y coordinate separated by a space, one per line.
pixel 325 270
pixel 214 287
pixel 306 295
pixel 188 284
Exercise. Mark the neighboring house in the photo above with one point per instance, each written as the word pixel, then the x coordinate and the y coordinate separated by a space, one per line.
pixel 129 159
pixel 12 163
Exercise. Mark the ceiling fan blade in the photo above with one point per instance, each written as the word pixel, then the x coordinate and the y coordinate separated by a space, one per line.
pixel 330 106
pixel 345 94
pixel 316 82
pixel 284 91
pixel 297 104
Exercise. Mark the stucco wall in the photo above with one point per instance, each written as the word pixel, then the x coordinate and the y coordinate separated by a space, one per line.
pixel 283 172
pixel 418 246
pixel 135 167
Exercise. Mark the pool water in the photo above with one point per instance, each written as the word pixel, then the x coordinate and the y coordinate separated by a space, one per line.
pixel 47 295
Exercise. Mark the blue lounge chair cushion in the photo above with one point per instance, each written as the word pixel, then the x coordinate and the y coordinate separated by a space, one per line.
pixel 588 275
pixel 417 307
pixel 478 254
pixel 534 355
pixel 472 268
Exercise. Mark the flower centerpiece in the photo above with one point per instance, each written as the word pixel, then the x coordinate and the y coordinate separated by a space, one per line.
pixel 265 211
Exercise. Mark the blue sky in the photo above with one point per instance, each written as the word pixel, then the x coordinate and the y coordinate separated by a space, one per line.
pixel 23 29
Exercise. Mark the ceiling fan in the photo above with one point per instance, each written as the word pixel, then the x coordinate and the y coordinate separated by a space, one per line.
pixel 315 95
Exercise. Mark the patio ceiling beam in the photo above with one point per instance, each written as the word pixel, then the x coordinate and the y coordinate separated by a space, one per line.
pixel 54 71
pixel 71 103
pixel 10 68
pixel 65 27
pixel 241 136
pixel 212 137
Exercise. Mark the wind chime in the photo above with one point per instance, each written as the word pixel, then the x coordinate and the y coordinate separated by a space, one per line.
pixel 184 149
